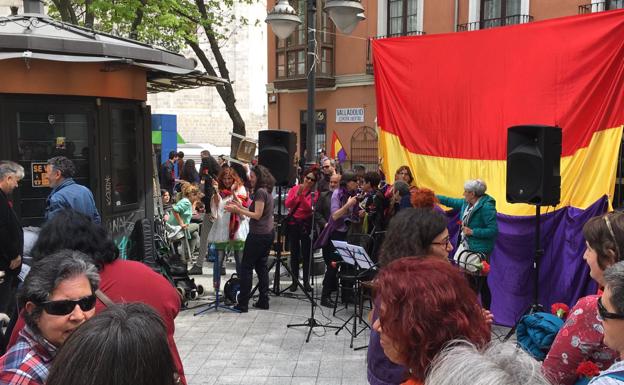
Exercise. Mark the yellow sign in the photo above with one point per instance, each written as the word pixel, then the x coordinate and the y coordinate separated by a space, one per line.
pixel 39 174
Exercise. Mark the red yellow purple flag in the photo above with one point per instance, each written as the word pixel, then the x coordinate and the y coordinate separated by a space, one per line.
pixel 337 150
pixel 445 102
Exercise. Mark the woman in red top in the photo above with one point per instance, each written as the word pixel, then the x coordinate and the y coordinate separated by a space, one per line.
pixel 581 337
pixel 299 224
pixel 424 304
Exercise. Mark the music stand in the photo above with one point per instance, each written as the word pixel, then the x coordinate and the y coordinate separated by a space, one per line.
pixel 358 257
pixel 216 283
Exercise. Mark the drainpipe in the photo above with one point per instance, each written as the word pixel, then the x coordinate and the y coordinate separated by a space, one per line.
pixel 456 15
pixel 33 6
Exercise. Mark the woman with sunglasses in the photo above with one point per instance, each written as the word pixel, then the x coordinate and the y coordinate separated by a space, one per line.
pixel 581 337
pixel 299 225
pixel 58 296
pixel 121 280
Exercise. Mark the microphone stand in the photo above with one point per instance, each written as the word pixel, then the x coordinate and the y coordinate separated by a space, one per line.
pixel 311 322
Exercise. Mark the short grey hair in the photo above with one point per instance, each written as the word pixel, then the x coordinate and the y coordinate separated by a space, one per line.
pixel 45 276
pixel 402 187
pixel 476 186
pixel 8 167
pixel 497 364
pixel 614 280
pixel 64 165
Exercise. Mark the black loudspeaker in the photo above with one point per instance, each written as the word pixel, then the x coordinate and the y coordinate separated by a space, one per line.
pixel 276 151
pixel 533 165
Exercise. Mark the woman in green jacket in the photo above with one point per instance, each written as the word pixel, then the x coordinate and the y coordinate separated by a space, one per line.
pixel 477 213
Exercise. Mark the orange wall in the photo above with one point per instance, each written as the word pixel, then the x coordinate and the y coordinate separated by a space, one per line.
pixel 541 10
pixel 80 79
pixel 438 16
pixel 291 105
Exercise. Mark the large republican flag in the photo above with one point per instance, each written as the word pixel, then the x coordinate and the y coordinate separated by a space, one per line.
pixel 445 101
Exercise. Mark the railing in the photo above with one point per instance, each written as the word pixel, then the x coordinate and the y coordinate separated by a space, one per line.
pixel 492 23
pixel 369 47
pixel 601 6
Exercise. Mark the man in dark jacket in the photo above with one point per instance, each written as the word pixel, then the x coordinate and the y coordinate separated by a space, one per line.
pixel 167 173
pixel 11 239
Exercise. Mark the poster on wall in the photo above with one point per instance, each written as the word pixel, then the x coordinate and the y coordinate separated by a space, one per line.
pixel 39 174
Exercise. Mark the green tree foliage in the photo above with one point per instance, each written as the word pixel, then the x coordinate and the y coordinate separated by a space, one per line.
pixel 170 24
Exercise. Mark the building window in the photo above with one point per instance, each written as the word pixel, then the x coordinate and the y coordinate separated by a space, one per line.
pixel 496 13
pixel 402 17
pixel 291 53
pixel 614 4
pixel 124 156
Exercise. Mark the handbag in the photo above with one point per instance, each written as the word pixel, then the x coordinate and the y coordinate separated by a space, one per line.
pixel 468 260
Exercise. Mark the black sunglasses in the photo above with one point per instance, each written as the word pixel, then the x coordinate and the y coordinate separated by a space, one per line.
pixel 312 179
pixel 604 314
pixel 65 307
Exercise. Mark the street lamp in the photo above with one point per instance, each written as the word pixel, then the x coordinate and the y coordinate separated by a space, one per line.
pixel 283 19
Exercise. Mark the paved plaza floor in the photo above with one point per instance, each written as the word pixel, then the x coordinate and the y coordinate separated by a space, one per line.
pixel 257 347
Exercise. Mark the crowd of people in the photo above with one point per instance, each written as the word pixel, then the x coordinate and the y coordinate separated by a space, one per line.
pixel 84 316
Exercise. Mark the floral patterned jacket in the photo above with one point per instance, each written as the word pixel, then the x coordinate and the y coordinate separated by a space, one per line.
pixel 580 339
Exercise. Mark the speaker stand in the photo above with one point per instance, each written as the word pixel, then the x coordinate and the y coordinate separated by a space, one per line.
pixel 535 306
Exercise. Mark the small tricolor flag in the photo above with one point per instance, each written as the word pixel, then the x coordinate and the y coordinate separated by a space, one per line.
pixel 337 150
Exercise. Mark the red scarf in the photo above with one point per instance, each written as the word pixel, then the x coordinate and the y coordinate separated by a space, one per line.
pixel 235 219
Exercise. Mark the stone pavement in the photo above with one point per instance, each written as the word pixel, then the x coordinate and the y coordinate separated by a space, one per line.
pixel 257 347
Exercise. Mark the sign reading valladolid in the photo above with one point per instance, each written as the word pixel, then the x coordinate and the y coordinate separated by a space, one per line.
pixel 348 115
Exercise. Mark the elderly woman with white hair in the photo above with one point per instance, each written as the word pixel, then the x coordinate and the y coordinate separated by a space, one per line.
pixel 462 363
pixel 477 213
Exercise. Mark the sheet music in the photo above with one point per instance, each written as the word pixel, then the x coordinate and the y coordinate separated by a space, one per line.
pixel 343 250
pixel 361 257
pixel 353 254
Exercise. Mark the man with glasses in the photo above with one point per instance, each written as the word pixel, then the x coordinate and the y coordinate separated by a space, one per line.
pixel 611 314
pixel 328 168
pixel 58 296
pixel 11 239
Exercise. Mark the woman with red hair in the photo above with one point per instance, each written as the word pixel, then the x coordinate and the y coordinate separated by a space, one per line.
pixel 424 304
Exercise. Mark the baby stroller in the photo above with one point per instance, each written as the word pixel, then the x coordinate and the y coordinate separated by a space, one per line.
pixel 154 249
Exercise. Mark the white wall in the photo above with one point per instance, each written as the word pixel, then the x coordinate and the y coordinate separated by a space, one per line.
pixel 201 113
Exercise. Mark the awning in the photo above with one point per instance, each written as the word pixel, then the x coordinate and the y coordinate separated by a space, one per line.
pixel 157 138
pixel 160 77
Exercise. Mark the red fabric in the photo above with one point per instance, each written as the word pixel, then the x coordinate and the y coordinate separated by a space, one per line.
pixel 304 209
pixel 411 381
pixel 569 72
pixel 580 339
pixel 129 281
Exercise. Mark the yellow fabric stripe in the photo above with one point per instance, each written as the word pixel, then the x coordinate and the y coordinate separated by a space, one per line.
pixel 586 175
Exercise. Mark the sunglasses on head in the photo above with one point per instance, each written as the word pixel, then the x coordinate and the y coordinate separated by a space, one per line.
pixel 66 306
pixel 604 314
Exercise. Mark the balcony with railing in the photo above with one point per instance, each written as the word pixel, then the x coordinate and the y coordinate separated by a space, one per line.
pixel 369 47
pixel 493 23
pixel 600 6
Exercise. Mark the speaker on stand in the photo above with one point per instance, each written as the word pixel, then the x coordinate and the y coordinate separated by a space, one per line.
pixel 276 151
pixel 534 177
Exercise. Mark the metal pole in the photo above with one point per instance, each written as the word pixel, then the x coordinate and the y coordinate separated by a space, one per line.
pixel 311 71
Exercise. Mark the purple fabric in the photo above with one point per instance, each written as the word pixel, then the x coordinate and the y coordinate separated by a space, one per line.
pixel 380 370
pixel 563 274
